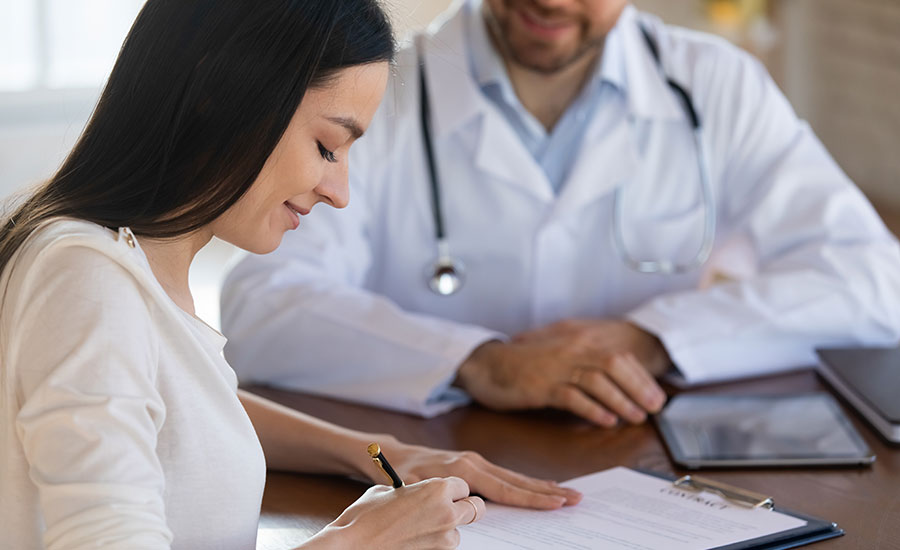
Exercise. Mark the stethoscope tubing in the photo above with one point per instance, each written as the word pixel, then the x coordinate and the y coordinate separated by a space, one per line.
pixel 704 251
pixel 447 273
pixel 425 114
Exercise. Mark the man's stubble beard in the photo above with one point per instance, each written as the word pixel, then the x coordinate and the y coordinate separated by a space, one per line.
pixel 590 47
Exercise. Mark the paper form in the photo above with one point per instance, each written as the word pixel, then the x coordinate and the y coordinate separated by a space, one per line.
pixel 625 509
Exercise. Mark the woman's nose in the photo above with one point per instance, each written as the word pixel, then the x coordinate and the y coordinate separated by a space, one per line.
pixel 336 190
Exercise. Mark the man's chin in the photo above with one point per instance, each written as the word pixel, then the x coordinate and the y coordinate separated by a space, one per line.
pixel 544 64
pixel 539 66
pixel 550 61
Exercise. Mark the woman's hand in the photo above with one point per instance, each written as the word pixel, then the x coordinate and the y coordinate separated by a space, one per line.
pixel 423 515
pixel 414 463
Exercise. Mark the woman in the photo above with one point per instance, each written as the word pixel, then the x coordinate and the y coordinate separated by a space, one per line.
pixel 122 426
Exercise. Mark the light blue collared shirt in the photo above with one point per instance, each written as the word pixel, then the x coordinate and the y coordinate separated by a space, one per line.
pixel 554 151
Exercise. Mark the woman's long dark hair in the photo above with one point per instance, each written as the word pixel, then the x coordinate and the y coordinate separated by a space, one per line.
pixel 200 94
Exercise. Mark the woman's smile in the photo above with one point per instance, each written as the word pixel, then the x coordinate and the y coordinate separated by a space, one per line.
pixel 295 212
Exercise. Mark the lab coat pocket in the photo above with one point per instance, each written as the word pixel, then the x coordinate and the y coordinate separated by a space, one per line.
pixel 672 236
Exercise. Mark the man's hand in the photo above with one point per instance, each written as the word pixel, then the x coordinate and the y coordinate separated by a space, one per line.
pixel 599 370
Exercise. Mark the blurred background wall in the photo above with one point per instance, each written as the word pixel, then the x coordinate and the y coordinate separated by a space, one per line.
pixel 838 61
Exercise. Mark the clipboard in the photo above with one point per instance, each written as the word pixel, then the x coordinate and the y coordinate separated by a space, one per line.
pixel 629 508
pixel 815 529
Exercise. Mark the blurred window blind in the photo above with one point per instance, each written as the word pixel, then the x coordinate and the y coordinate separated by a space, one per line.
pixel 61 44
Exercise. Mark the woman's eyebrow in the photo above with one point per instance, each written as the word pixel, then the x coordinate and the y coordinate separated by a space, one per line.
pixel 349 124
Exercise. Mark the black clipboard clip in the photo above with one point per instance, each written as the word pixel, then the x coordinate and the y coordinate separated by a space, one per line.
pixel 729 492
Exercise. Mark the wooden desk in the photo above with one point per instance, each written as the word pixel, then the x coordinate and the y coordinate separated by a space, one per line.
pixel 864 501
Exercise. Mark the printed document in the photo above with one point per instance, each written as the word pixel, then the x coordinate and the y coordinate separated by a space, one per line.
pixel 625 509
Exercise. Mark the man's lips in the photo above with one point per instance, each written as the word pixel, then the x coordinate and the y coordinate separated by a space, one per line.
pixel 547 27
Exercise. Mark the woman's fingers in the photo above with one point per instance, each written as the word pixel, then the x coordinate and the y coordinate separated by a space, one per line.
pixel 469 510
pixel 485 478
pixel 500 490
pixel 504 492
pixel 456 488
pixel 425 514
pixel 541 486
pixel 512 488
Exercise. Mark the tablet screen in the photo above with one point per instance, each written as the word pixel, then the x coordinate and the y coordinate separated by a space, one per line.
pixel 710 430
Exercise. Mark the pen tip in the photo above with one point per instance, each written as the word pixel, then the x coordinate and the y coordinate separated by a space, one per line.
pixel 374 449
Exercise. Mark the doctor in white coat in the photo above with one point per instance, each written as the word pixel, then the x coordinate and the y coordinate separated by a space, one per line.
pixel 575 198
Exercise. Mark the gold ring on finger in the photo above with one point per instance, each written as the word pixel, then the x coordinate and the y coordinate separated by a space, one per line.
pixel 474 509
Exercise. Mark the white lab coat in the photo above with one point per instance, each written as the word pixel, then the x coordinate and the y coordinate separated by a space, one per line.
pixel 343 309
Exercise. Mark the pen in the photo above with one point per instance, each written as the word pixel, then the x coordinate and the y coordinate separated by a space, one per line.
pixel 384 465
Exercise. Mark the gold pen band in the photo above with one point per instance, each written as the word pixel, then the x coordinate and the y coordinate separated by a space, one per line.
pixel 383 465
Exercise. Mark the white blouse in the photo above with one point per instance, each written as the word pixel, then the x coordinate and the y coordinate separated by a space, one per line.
pixel 120 426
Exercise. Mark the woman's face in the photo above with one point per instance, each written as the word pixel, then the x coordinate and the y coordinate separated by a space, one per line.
pixel 309 164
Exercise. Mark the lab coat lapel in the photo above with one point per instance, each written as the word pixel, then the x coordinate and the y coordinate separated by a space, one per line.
pixel 502 155
pixel 609 157
pixel 604 163
pixel 498 152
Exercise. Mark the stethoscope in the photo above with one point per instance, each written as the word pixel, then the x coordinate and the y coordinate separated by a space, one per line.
pixel 447 274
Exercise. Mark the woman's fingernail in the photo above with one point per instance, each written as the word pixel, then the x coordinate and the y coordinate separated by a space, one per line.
pixel 639 417
pixel 607 420
pixel 658 399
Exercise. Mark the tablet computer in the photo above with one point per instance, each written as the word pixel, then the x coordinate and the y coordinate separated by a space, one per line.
pixel 715 430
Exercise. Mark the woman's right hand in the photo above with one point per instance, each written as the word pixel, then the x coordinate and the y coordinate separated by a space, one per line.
pixel 423 515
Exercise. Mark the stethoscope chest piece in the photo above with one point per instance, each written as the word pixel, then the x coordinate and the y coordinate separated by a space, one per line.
pixel 446 275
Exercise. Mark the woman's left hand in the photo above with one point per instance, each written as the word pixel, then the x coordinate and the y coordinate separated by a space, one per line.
pixel 414 463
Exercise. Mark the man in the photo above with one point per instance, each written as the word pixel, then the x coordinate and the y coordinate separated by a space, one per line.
pixel 572 191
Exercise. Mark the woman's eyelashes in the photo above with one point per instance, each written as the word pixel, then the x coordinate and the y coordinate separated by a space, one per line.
pixel 326 154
